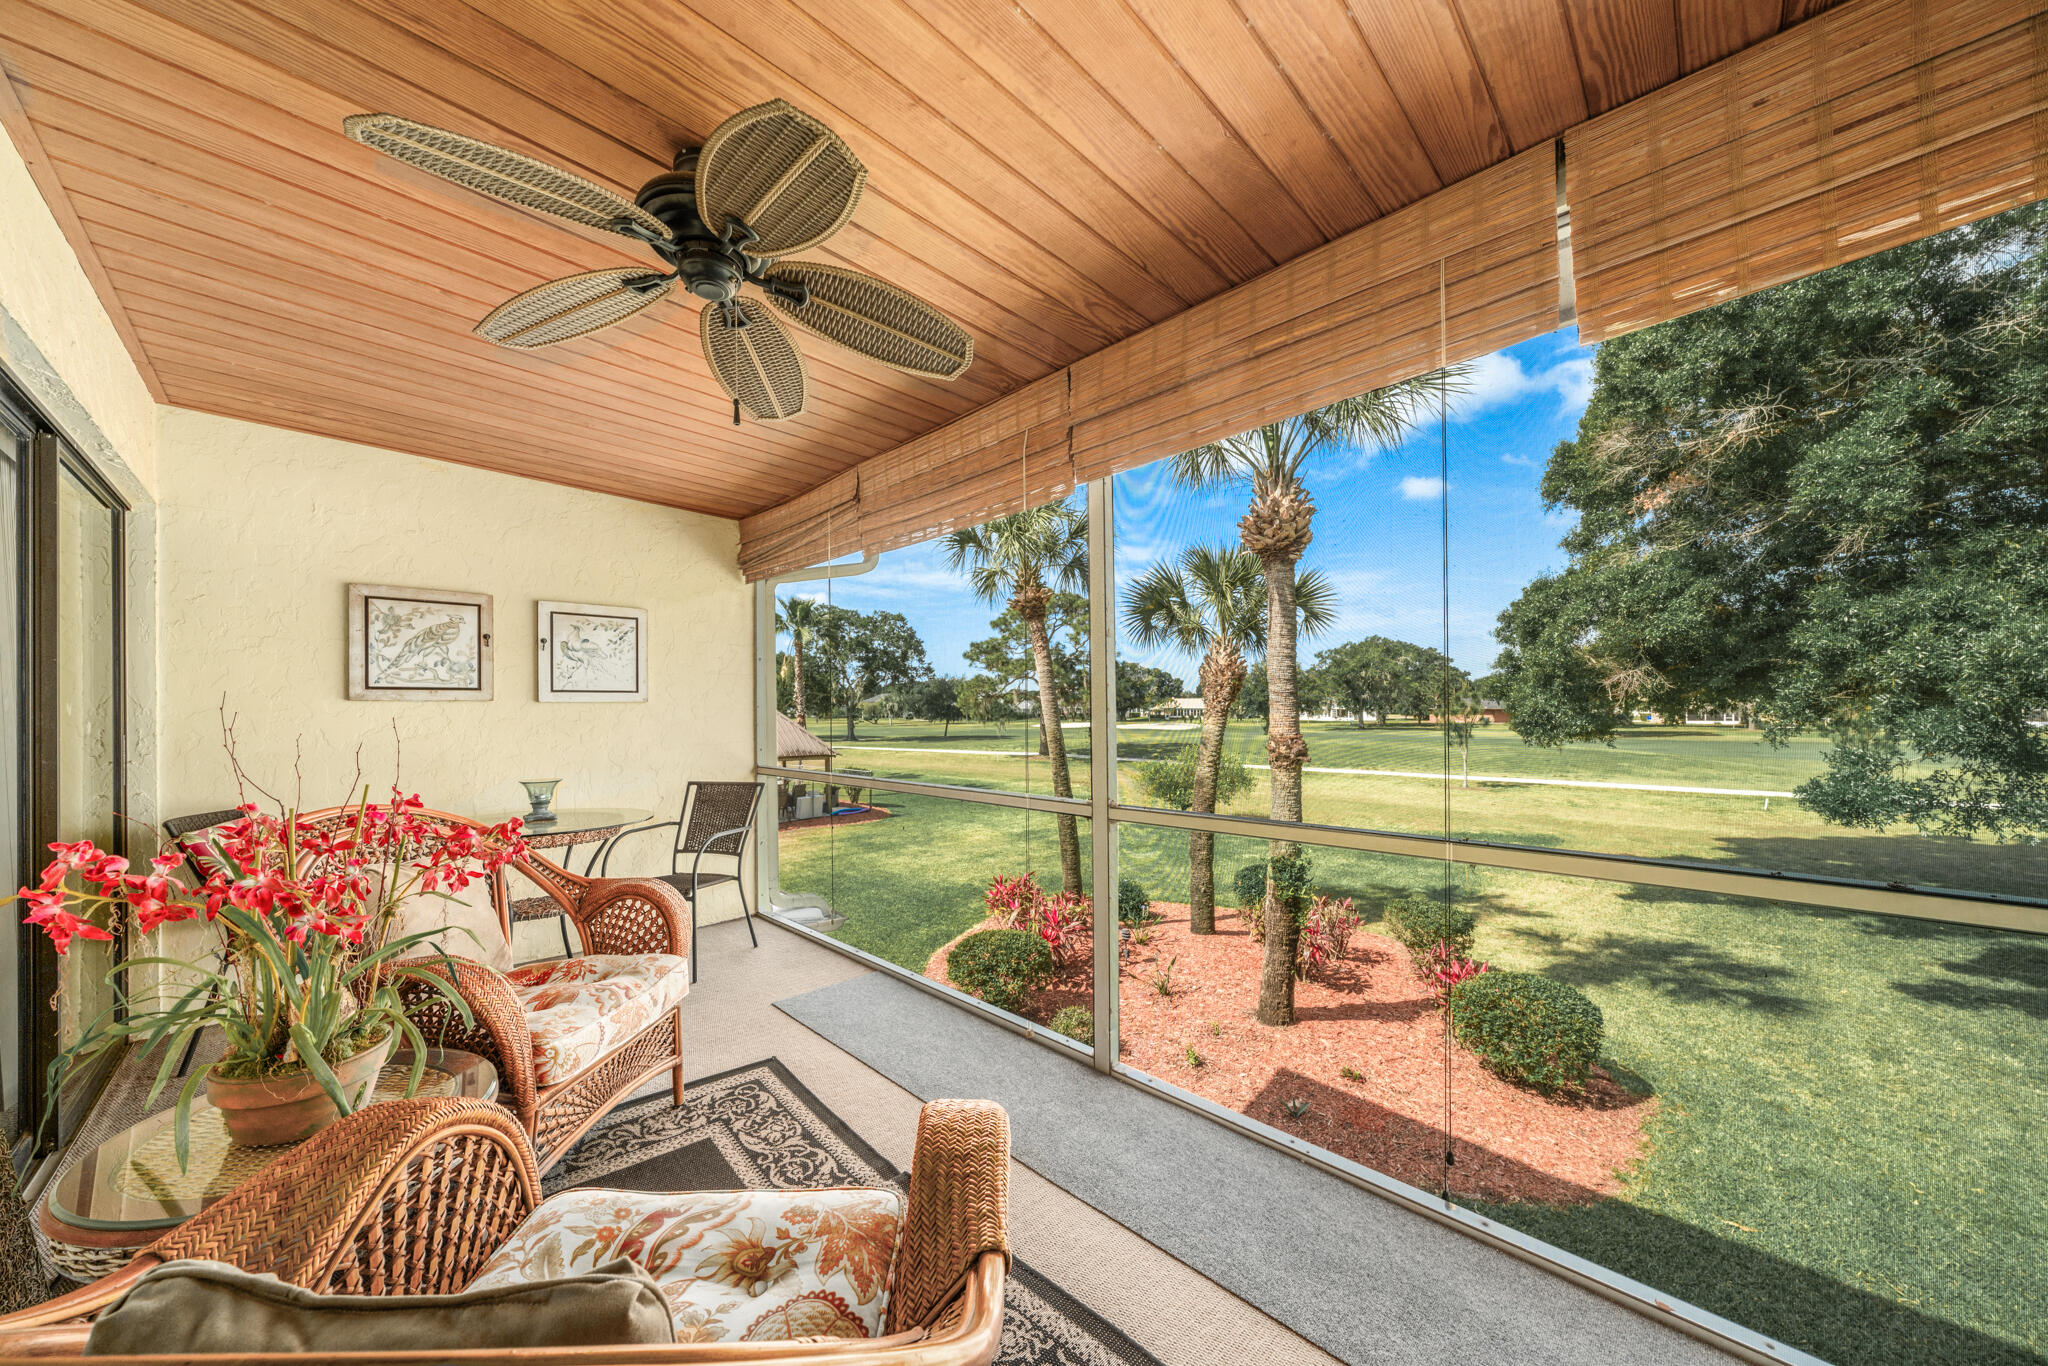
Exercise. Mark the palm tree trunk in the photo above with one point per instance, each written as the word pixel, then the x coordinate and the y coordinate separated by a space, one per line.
pixel 1286 752
pixel 1056 753
pixel 1222 676
pixel 796 650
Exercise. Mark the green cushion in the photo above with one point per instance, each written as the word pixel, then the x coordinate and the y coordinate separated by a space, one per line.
pixel 196 1307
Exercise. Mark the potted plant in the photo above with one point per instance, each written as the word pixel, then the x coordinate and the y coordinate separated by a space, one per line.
pixel 308 956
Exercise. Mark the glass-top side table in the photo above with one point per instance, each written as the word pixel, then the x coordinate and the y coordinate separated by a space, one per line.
pixel 598 825
pixel 123 1194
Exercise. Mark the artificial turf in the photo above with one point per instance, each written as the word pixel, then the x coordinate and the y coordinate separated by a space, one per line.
pixel 1846 1154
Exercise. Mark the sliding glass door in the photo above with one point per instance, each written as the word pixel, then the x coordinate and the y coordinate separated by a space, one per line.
pixel 62 756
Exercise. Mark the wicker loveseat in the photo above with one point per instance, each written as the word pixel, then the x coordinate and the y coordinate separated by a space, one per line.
pixel 573 1037
pixel 424 1196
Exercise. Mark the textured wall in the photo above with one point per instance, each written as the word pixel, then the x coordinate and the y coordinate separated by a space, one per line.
pixel 48 299
pixel 264 529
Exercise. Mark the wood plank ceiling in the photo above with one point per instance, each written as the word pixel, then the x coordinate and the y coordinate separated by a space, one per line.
pixel 1057 174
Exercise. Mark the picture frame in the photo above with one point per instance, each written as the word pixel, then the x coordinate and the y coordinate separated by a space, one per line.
pixel 588 652
pixel 418 644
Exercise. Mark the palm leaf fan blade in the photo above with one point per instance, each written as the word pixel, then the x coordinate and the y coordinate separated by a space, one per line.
pixel 878 320
pixel 573 306
pixel 785 175
pixel 753 359
pixel 500 173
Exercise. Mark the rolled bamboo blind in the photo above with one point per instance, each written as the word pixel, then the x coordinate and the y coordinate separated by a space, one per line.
pixel 1351 316
pixel 1877 123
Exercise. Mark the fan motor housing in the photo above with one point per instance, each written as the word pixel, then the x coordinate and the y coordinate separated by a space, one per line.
pixel 705 265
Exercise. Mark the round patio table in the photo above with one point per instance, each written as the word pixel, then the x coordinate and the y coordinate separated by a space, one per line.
pixel 598 825
pixel 126 1192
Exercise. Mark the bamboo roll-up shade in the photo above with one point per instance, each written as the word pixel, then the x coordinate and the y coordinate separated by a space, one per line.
pixel 817 525
pixel 1877 123
pixel 1006 456
pixel 1362 312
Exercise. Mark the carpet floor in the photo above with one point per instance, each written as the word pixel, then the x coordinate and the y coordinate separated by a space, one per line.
pixel 757 1127
pixel 1361 1277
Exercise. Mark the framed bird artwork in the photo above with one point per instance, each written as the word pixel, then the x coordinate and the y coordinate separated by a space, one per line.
pixel 590 653
pixel 418 644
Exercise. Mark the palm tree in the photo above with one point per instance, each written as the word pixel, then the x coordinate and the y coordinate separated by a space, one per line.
pixel 799 618
pixel 1022 560
pixel 1276 529
pixel 1213 604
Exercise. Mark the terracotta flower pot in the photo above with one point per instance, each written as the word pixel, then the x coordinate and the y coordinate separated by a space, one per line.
pixel 264 1111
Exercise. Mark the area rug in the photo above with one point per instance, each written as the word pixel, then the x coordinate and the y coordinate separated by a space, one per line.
pixel 757 1127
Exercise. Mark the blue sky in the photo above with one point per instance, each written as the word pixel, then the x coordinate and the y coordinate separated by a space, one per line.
pixel 1378 527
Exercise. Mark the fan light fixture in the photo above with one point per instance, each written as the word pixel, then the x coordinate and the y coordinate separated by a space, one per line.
pixel 774 181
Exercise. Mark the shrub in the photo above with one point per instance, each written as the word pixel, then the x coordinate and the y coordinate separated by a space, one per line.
pixel 1076 1022
pixel 1528 1028
pixel 1002 967
pixel 1290 873
pixel 1325 935
pixel 1133 902
pixel 1421 923
pixel 1170 782
pixel 1013 900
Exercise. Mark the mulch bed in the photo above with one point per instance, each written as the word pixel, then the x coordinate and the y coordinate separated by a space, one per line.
pixel 1373 1015
pixel 872 813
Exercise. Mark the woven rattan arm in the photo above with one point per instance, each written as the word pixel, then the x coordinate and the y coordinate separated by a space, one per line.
pixel 633 915
pixel 403 1197
pixel 959 1207
pixel 498 1030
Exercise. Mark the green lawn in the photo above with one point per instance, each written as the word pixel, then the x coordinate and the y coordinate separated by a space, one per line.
pixel 1776 835
pixel 1847 1154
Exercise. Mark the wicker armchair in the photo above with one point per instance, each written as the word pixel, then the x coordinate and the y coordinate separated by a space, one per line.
pixel 626 917
pixel 416 1197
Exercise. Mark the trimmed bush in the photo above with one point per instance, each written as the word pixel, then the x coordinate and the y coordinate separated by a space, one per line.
pixel 1076 1022
pixel 1421 923
pixel 1002 967
pixel 1528 1028
pixel 1133 903
pixel 1250 886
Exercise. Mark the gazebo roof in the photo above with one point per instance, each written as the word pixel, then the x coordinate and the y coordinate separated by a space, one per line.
pixel 794 742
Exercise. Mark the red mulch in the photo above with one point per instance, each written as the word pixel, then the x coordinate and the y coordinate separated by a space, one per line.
pixel 1373 1015
pixel 872 813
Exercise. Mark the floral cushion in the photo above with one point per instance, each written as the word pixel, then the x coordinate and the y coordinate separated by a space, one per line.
pixel 580 1009
pixel 735 1266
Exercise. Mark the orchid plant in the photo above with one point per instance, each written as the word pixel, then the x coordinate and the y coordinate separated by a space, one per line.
pixel 308 960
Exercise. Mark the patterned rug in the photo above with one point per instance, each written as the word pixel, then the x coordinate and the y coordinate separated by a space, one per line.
pixel 758 1127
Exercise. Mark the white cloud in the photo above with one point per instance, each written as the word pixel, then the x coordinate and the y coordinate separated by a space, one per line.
pixel 1417 488
pixel 1521 460
pixel 1499 378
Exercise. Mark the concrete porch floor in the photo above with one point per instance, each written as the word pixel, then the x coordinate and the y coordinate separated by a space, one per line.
pixel 1168 1308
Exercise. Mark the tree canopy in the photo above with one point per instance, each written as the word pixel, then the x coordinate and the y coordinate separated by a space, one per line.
pixel 1140 686
pixel 1823 502
pixel 856 655
pixel 1379 677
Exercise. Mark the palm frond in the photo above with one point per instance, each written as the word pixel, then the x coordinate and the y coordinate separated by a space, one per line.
pixel 1315 602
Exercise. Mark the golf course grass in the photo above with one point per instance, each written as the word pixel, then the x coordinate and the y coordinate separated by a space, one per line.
pixel 1846 1154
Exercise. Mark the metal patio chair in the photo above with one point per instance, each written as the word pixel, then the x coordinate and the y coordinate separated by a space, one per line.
pixel 717 820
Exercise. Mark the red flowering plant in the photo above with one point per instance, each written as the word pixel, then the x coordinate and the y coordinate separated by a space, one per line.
pixel 304 916
pixel 1064 920
pixel 1444 969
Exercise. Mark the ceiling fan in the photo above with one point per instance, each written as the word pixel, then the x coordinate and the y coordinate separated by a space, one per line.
pixel 769 181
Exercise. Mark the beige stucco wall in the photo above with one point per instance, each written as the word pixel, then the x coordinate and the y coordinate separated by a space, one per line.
pixel 45 296
pixel 264 529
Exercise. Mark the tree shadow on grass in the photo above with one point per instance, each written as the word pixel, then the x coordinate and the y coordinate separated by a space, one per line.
pixel 2003 976
pixel 1920 860
pixel 1716 1269
pixel 1689 971
pixel 1719 1271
